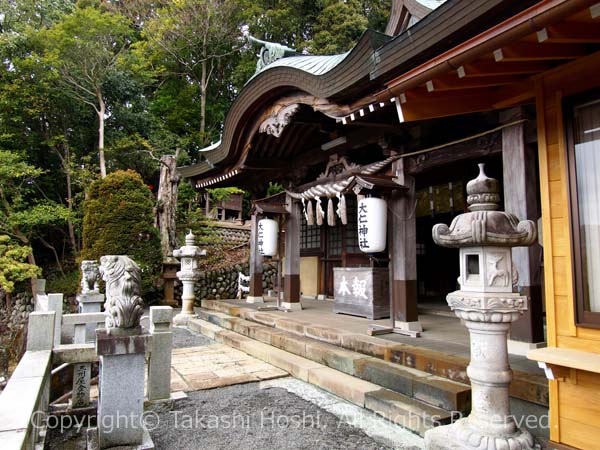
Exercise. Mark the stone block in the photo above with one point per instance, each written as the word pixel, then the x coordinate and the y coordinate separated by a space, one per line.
pixel 203 327
pixel 264 318
pixel 325 334
pixel 342 385
pixel 55 303
pixel 81 385
pixel 530 387
pixel 159 366
pixel 435 363
pixel 294 365
pixel 443 393
pixel 406 412
pixel 229 322
pixel 37 364
pixel 263 334
pixel 292 326
pixel 161 317
pixel 232 339
pixel 366 345
pixel 40 330
pixel 388 375
pixel 115 344
pixel 331 356
pixel 256 349
pixel 290 343
pixel 121 402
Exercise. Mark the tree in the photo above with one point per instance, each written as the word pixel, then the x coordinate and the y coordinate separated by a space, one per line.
pixel 13 267
pixel 85 50
pixel 189 39
pixel 23 216
pixel 118 220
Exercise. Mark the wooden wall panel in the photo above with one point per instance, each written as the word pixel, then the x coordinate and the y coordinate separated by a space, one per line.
pixel 577 434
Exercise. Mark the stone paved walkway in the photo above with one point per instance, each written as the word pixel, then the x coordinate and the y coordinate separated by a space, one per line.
pixel 216 365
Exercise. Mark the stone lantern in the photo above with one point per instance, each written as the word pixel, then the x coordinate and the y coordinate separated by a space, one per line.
pixel 487 305
pixel 188 275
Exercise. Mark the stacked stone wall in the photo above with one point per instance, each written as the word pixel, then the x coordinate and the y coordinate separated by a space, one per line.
pixel 223 283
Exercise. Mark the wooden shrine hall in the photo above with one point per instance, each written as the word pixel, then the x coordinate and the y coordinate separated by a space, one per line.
pixel 404 117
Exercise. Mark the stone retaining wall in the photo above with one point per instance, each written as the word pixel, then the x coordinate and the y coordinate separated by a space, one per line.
pixel 223 283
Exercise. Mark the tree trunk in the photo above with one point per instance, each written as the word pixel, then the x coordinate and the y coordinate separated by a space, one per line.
pixel 67 169
pixel 167 204
pixel 203 100
pixel 101 112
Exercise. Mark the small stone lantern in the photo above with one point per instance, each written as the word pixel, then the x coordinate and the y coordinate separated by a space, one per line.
pixel 487 305
pixel 188 275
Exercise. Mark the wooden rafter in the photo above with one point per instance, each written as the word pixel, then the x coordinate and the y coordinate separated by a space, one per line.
pixel 490 68
pixel 529 51
pixel 453 82
pixel 570 33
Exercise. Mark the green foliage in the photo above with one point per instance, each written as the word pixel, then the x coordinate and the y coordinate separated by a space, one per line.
pixel 274 188
pixel 13 267
pixel 223 194
pixel 118 220
pixel 67 283
pixel 22 215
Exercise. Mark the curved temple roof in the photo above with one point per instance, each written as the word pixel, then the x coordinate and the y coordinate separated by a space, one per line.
pixel 341 82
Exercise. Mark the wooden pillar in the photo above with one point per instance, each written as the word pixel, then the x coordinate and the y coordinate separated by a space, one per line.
pixel 402 248
pixel 291 282
pixel 256 264
pixel 520 198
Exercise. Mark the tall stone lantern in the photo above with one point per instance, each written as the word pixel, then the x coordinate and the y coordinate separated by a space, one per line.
pixel 188 275
pixel 487 305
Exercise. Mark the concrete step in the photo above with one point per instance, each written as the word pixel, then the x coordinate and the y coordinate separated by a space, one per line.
pixel 409 413
pixel 413 383
pixel 525 386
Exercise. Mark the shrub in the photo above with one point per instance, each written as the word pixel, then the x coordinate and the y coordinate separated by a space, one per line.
pixel 118 220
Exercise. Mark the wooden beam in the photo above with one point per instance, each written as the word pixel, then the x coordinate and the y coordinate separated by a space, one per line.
pixel 427 105
pixel 453 82
pixel 514 94
pixel 490 68
pixel 479 147
pixel 528 51
pixel 570 33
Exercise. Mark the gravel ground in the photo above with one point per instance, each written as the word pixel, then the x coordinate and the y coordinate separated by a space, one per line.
pixel 282 414
pixel 246 417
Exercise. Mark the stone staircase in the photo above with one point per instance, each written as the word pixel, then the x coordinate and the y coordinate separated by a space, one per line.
pixel 525 386
pixel 412 398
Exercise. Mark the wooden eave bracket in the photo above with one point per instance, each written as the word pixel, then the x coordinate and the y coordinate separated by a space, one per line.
pixel 558 373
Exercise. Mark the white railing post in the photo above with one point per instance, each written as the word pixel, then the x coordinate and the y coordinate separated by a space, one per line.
pixel 159 365
pixel 40 331
pixel 55 303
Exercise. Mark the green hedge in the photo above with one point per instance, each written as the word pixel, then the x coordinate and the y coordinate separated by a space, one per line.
pixel 118 220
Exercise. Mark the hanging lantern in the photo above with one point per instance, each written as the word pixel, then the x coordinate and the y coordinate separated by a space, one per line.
pixel 268 231
pixel 372 224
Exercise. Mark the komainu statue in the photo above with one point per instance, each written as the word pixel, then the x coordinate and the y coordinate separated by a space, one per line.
pixel 90 276
pixel 123 304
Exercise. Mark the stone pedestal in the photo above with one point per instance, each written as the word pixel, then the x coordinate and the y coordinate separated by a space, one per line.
pixel 490 425
pixel 121 386
pixel 188 275
pixel 90 302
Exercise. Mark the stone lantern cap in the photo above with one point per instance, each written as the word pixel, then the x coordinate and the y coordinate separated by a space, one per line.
pixel 190 249
pixel 485 225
